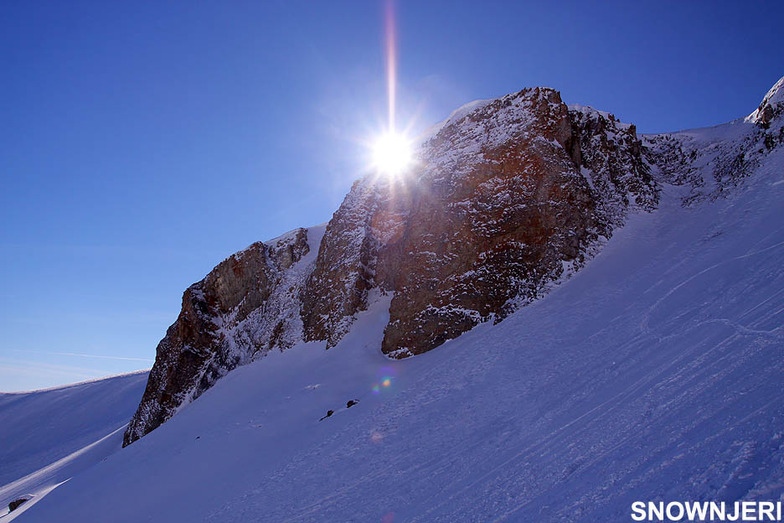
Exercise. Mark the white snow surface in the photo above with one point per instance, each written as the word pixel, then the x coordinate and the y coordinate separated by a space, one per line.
pixel 50 435
pixel 457 114
pixel 655 373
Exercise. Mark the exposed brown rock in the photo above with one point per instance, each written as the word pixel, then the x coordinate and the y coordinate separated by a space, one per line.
pixel 501 201
pixel 504 201
pixel 770 108
pixel 213 334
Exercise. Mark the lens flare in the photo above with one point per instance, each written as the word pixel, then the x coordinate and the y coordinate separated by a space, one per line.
pixel 385 382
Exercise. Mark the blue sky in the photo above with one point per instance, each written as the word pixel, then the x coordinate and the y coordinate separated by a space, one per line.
pixel 143 142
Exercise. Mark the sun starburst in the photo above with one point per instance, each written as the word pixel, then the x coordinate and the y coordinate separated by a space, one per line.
pixel 392 154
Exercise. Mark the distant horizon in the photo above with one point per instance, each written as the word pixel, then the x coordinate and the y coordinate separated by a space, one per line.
pixel 79 383
pixel 145 144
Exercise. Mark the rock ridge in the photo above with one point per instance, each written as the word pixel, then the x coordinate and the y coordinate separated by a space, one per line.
pixel 507 198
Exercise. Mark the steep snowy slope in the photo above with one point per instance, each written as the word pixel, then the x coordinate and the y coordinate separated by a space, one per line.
pixel 47 436
pixel 655 373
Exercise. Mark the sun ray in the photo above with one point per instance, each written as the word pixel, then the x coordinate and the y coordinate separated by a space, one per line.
pixel 391 55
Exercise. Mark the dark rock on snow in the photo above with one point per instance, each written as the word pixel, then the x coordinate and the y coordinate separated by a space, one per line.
pixel 15 504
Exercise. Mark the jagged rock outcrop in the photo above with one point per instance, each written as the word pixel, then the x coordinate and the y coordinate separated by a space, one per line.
pixel 504 200
pixel 242 308
pixel 507 197
pixel 371 215
pixel 493 226
pixel 770 108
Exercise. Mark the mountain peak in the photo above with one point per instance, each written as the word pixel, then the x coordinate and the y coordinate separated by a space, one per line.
pixel 771 106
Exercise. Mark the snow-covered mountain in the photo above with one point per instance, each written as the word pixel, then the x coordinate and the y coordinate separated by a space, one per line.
pixel 654 372
pixel 507 197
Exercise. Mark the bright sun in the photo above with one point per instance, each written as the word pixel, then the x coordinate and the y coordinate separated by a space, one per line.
pixel 392 154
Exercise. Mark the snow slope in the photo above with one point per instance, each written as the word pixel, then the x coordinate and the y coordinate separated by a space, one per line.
pixel 655 373
pixel 47 436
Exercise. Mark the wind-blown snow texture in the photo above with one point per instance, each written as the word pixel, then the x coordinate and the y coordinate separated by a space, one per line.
pixel 654 373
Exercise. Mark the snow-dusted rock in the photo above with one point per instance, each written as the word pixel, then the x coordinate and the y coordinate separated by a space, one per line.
pixel 771 106
pixel 507 198
pixel 711 162
pixel 242 309
pixel 508 195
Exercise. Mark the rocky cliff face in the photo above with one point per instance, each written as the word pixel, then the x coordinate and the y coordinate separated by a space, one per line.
pixel 507 198
pixel 244 307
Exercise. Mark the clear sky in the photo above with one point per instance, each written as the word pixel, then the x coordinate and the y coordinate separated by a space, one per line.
pixel 143 142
